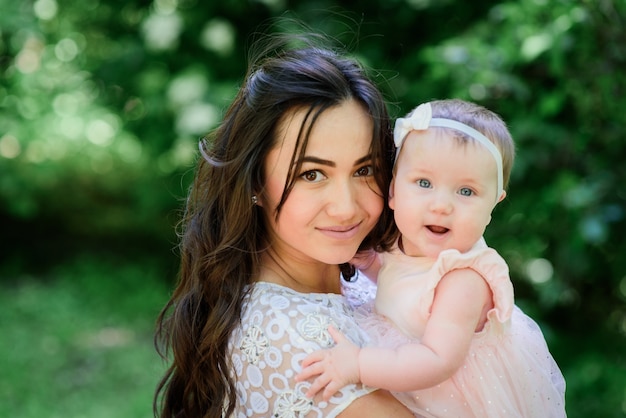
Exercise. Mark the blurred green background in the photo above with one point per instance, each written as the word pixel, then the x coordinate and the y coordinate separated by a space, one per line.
pixel 101 106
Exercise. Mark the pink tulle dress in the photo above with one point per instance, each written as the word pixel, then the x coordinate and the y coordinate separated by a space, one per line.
pixel 508 372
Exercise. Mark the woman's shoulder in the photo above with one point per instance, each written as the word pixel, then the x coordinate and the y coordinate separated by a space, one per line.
pixel 274 297
pixel 279 310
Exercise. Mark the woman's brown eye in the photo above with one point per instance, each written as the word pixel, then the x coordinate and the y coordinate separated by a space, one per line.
pixel 311 176
pixel 365 171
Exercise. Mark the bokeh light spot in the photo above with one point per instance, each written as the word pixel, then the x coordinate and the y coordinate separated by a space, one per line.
pixel 197 119
pixel 161 32
pixel 45 9
pixel 100 132
pixel 187 88
pixel 27 61
pixel 66 50
pixel 9 146
pixel 219 36
pixel 539 270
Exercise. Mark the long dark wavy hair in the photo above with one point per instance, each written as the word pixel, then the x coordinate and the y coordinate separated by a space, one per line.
pixel 223 234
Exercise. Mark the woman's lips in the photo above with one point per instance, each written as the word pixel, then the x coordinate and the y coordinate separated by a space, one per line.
pixel 340 232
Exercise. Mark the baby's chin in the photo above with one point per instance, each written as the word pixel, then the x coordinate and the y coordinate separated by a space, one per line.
pixel 460 248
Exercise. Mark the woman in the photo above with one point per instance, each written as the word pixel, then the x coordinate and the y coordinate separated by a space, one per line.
pixel 292 183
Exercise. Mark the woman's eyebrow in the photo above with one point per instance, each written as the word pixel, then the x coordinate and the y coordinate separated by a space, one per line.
pixel 362 160
pixel 316 160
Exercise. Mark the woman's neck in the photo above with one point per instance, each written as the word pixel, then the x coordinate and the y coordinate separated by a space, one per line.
pixel 301 277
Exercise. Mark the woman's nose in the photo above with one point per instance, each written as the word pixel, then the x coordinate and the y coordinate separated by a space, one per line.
pixel 342 200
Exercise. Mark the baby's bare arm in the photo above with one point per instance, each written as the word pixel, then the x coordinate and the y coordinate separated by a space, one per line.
pixel 461 299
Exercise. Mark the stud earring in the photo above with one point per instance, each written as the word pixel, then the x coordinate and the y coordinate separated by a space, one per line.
pixel 255 200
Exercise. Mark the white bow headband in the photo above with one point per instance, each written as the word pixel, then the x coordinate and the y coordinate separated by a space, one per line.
pixel 421 119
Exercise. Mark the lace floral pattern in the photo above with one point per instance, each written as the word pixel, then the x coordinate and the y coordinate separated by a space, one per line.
pixel 279 327
pixel 254 344
pixel 292 404
pixel 315 327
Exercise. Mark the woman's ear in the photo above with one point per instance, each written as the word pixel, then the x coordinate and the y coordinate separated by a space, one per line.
pixel 256 200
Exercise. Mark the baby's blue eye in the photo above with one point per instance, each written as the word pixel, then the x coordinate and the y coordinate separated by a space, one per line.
pixel 423 183
pixel 466 192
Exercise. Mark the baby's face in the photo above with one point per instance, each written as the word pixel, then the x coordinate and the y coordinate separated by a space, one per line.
pixel 443 192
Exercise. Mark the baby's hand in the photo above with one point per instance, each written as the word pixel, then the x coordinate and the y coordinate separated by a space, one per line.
pixel 335 367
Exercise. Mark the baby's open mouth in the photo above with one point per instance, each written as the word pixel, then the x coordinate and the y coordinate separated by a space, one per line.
pixel 437 229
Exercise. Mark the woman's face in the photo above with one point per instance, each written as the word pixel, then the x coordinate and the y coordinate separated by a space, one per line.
pixel 335 201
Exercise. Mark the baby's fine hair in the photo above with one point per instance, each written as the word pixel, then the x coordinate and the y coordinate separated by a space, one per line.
pixel 483 120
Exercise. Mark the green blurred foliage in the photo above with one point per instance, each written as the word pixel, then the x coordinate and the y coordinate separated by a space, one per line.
pixel 76 348
pixel 102 102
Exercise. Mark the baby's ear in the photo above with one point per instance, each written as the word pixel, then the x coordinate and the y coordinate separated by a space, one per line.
pixel 502 196
pixel 391 201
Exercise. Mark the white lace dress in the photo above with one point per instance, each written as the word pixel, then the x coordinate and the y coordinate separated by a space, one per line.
pixel 279 328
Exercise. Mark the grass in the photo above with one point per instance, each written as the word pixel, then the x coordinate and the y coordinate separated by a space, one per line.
pixel 77 342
